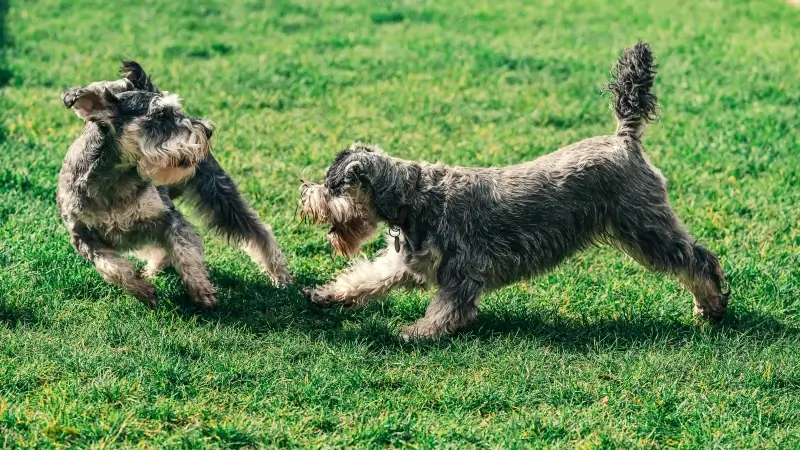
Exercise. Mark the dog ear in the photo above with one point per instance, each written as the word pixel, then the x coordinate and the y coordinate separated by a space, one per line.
pixel 90 104
pixel 354 171
pixel 133 72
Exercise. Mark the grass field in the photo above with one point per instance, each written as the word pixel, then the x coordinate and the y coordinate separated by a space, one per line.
pixel 597 354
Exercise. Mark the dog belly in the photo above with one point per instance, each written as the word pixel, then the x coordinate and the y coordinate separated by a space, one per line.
pixel 513 257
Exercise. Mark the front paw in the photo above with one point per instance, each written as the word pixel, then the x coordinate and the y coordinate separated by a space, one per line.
pixel 420 332
pixel 316 296
pixel 712 308
pixel 325 296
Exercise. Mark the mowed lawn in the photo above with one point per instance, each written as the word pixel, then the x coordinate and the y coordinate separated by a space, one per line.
pixel 597 354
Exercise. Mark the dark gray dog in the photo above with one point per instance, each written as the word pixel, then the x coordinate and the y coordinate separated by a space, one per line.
pixel 471 230
pixel 137 152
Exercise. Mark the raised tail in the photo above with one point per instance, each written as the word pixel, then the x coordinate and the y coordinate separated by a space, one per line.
pixel 634 102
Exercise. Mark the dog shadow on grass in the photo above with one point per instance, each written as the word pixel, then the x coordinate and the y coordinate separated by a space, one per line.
pixel 588 333
pixel 262 308
pixel 253 304
pixel 13 315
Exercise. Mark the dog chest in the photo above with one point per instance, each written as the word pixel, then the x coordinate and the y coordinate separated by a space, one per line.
pixel 146 206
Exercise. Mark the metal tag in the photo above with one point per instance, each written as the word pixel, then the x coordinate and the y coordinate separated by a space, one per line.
pixel 395 233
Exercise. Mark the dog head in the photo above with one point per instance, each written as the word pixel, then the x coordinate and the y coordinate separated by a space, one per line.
pixel 362 187
pixel 349 214
pixel 151 128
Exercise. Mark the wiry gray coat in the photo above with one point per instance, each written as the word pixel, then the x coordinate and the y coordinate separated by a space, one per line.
pixel 137 152
pixel 470 230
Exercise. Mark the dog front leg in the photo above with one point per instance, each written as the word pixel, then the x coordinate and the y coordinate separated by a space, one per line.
pixel 364 281
pixel 454 305
pixel 218 199
pixel 114 268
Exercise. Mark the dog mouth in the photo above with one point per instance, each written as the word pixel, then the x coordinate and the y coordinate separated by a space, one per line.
pixel 347 238
pixel 347 228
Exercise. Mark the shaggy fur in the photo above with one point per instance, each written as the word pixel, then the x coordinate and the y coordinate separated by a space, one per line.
pixel 470 230
pixel 137 152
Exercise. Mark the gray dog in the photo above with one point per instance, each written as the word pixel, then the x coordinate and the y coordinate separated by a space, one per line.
pixel 137 152
pixel 470 230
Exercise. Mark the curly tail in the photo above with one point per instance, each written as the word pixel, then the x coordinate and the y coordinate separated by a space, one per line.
pixel 634 102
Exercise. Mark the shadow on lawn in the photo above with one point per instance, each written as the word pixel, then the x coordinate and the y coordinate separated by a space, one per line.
pixel 627 332
pixel 260 308
pixel 276 309
pixel 14 316
pixel 587 336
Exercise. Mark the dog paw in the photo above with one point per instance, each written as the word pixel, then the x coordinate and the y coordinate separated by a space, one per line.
pixel 713 316
pixel 281 278
pixel 712 310
pixel 146 293
pixel 314 296
pixel 419 332
pixel 204 297
pixel 322 297
pixel 70 95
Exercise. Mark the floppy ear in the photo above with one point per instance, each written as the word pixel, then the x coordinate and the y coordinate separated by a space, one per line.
pixel 90 104
pixel 133 71
pixel 353 172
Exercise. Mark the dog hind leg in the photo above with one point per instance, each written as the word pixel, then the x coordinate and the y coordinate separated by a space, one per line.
pixel 185 249
pixel 655 237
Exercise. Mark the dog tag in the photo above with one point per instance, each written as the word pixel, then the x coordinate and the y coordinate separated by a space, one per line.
pixel 395 233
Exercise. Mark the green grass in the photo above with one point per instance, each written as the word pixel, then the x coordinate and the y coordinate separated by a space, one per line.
pixel 598 353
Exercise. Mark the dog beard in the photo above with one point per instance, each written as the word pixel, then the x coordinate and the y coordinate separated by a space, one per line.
pixel 174 159
pixel 352 222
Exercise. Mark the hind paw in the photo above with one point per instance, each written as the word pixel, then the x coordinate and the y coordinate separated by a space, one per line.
pixel 713 309
pixel 203 296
